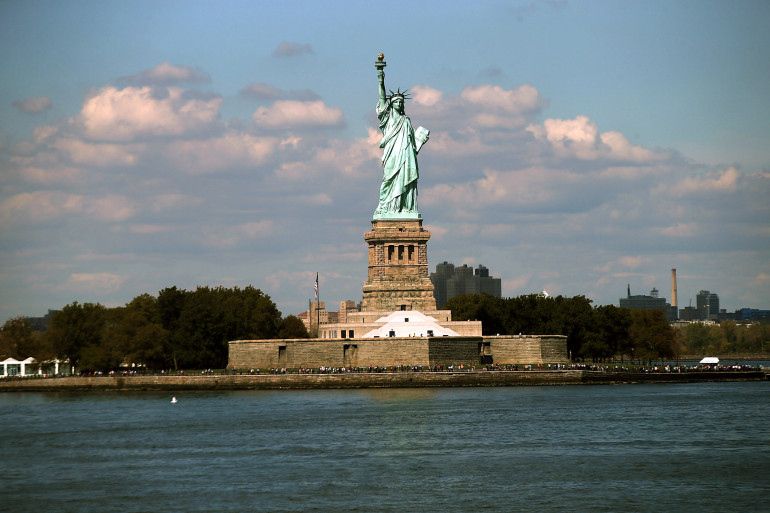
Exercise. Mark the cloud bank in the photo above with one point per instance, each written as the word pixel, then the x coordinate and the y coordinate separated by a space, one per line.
pixel 148 168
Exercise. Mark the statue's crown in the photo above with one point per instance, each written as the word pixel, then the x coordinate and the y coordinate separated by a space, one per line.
pixel 404 95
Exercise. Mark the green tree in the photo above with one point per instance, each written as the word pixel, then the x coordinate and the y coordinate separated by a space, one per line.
pixel 19 340
pixel 729 336
pixel 530 314
pixel 211 317
pixel 525 314
pixel 75 333
pixel 140 334
pixel 698 339
pixel 608 334
pixel 170 303
pixel 757 338
pixel 652 337
pixel 292 327
pixel 575 320
pixel 478 307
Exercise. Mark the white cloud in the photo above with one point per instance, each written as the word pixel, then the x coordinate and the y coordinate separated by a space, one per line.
pixel 164 202
pixel 426 95
pixel 150 229
pixel 219 154
pixel 478 108
pixel 56 175
pixel 316 199
pixel 632 262
pixel 41 133
pixel 678 230
pixel 349 157
pixel 112 207
pixel 98 154
pixel 521 189
pixel 40 206
pixel 131 113
pixel 725 180
pixel 295 279
pixel 232 236
pixel 516 101
pixel 517 283
pixel 294 171
pixel 256 229
pixel 621 148
pixel 167 74
pixel 579 138
pixel 292 114
pixel 94 283
pixel 290 49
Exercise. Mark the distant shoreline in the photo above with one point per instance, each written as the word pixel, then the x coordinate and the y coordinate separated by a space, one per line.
pixel 366 380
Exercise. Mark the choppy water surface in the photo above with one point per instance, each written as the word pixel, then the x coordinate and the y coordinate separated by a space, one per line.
pixel 633 448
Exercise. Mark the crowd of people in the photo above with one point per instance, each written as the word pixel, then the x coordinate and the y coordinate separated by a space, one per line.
pixel 509 368
pixel 540 367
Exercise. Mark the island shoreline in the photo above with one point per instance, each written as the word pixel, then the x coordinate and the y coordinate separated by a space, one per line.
pixel 356 380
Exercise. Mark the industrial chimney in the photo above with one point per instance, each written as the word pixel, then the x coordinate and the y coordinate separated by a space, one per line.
pixel 673 288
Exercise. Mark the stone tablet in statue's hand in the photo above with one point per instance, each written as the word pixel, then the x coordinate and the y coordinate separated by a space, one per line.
pixel 421 136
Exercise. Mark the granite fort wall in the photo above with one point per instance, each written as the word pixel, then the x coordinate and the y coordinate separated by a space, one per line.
pixel 426 351
pixel 517 349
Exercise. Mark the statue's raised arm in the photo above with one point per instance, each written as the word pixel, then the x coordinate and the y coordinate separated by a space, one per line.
pixel 381 76
pixel 400 144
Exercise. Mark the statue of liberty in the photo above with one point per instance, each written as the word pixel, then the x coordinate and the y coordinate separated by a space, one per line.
pixel 400 144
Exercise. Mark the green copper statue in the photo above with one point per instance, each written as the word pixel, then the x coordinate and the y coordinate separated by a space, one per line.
pixel 400 144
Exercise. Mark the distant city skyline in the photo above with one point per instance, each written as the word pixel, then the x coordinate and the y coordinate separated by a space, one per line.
pixel 574 147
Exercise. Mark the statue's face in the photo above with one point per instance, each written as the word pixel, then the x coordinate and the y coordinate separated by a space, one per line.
pixel 398 104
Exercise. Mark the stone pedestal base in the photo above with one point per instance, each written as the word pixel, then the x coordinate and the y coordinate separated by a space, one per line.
pixel 398 276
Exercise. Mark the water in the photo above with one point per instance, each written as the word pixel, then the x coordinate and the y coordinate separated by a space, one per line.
pixel 633 448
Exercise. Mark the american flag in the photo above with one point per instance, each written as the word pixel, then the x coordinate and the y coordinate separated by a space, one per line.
pixel 315 287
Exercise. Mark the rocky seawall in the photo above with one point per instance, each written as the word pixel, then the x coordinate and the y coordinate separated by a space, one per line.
pixel 367 380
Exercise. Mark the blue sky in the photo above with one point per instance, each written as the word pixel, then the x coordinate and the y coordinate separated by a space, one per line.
pixel 575 146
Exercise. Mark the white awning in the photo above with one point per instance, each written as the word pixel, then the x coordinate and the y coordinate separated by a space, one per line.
pixel 409 323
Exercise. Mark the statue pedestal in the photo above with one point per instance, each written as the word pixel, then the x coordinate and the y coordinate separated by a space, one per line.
pixel 398 276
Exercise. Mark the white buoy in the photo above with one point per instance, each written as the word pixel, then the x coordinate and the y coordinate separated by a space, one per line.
pixel 173 400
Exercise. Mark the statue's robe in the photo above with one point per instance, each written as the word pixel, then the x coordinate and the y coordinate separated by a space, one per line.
pixel 398 192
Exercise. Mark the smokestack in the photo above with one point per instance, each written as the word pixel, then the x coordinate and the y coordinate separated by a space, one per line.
pixel 673 288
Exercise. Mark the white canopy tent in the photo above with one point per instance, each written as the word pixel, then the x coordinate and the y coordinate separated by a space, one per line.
pixel 710 360
pixel 13 367
pixel 410 323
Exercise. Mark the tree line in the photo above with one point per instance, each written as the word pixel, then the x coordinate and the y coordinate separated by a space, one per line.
pixel 178 329
pixel 603 333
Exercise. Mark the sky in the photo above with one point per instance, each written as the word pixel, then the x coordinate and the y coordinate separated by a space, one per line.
pixel 576 147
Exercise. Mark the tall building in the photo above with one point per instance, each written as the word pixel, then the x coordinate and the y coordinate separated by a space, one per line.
pixel 651 302
pixel 707 304
pixel 450 281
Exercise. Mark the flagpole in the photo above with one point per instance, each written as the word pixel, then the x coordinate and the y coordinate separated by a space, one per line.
pixel 317 308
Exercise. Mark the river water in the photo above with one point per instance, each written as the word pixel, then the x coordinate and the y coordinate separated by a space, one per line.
pixel 631 448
